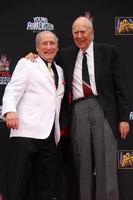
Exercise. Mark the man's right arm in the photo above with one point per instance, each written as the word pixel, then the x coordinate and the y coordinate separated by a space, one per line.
pixel 12 120
pixel 14 92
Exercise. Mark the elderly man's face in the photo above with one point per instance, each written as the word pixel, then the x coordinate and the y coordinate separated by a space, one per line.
pixel 82 33
pixel 47 47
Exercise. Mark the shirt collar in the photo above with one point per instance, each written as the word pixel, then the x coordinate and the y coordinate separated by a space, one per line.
pixel 46 62
pixel 89 51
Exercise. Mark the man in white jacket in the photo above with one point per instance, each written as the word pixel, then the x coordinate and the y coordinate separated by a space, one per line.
pixel 31 106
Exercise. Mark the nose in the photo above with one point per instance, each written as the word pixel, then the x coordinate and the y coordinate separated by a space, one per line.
pixel 48 46
pixel 79 35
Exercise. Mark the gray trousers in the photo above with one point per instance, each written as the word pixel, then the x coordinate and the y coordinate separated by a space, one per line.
pixel 95 151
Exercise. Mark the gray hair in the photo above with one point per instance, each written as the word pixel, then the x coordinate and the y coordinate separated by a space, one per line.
pixel 38 37
pixel 88 22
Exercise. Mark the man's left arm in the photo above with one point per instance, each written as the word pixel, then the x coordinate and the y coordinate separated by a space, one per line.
pixel 121 95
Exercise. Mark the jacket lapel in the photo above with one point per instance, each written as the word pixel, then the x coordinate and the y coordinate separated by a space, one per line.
pixel 72 60
pixel 97 60
pixel 70 70
pixel 44 70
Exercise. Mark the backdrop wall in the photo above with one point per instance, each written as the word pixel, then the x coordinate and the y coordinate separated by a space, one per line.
pixel 19 23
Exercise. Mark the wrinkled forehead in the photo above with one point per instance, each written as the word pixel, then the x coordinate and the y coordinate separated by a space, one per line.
pixel 81 24
pixel 48 37
pixel 80 27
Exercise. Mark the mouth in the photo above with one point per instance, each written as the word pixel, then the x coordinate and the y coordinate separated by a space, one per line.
pixel 80 42
pixel 48 52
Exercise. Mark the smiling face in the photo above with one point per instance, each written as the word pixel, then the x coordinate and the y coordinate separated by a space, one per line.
pixel 82 31
pixel 47 45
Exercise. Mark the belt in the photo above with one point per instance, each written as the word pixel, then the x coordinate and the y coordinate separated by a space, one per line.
pixel 84 98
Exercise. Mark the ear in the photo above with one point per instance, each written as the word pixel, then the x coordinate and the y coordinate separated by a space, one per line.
pixel 36 49
pixel 92 34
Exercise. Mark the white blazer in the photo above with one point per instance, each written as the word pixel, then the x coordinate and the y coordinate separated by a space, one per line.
pixel 33 95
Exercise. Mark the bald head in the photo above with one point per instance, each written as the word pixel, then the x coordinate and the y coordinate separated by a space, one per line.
pixel 83 33
pixel 45 34
pixel 84 21
pixel 47 45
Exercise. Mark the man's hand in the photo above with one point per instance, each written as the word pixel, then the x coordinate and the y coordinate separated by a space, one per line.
pixel 12 120
pixel 124 129
pixel 31 56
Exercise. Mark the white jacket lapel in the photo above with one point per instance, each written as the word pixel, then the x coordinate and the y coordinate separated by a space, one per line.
pixel 44 69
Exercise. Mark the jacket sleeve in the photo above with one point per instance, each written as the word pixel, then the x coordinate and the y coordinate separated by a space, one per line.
pixel 120 88
pixel 16 87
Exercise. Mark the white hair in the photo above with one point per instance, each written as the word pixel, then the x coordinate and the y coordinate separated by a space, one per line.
pixel 38 36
